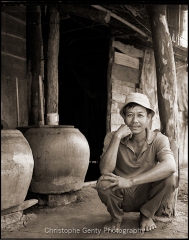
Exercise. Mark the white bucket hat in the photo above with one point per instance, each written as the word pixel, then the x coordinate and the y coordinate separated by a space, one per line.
pixel 138 98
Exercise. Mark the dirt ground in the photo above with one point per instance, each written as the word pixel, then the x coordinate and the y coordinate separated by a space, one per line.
pixel 86 218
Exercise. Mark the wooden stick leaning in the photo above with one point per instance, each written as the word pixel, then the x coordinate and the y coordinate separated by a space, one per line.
pixel 17 104
pixel 41 110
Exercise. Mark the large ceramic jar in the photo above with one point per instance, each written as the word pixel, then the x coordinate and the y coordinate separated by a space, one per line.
pixel 61 156
pixel 16 168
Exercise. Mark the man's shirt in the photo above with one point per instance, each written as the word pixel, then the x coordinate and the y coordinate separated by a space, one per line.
pixel 155 147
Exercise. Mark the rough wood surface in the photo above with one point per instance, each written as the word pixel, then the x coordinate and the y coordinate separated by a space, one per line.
pixel 126 60
pixel 16 11
pixel 109 86
pixel 126 74
pixel 166 86
pixel 12 27
pixel 13 64
pixel 128 49
pixel 52 61
pixel 35 43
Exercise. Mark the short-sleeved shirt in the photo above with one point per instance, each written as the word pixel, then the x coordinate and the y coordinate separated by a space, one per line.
pixel 154 148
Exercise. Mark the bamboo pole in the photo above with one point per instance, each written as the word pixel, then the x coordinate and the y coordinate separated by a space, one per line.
pixel 52 62
pixel 166 88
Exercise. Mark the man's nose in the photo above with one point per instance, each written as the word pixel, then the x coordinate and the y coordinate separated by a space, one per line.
pixel 135 118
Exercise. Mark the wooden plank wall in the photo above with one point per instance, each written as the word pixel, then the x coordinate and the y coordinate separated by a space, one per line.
pixel 182 95
pixel 128 75
pixel 13 65
pixel 125 77
pixel 148 82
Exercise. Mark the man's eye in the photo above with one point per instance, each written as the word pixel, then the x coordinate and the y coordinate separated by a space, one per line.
pixel 140 115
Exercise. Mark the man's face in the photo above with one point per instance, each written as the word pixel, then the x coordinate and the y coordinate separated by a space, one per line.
pixel 137 119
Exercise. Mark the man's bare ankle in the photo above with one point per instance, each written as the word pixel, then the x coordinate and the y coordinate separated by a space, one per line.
pixel 146 223
pixel 113 224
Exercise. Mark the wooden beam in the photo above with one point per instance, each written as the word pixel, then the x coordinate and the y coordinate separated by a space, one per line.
pixel 122 20
pixel 52 61
pixel 166 88
pixel 80 11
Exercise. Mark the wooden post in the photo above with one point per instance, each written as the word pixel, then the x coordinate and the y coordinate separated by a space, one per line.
pixel 166 88
pixel 41 102
pixel 109 84
pixel 35 42
pixel 52 61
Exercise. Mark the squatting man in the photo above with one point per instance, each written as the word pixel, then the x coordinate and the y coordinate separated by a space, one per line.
pixel 137 166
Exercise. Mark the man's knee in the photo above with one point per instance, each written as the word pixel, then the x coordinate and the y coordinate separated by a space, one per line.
pixel 101 184
pixel 171 181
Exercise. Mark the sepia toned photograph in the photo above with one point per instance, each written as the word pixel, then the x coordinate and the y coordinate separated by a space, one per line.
pixel 94 120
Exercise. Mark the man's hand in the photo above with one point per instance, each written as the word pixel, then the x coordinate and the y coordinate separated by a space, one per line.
pixel 123 131
pixel 116 181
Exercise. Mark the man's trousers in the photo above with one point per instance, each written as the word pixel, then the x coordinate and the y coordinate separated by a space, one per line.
pixel 146 198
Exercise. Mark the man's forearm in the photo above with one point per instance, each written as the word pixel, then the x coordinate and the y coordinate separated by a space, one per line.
pixel 162 170
pixel 108 161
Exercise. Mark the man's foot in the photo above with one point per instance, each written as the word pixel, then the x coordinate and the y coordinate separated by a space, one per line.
pixel 146 224
pixel 113 225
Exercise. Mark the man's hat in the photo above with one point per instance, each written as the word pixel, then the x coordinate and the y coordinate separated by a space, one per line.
pixel 138 98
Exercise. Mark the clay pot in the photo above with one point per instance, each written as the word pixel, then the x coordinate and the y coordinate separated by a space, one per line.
pixel 61 156
pixel 16 168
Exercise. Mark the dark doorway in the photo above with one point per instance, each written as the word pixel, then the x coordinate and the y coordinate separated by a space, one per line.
pixel 83 61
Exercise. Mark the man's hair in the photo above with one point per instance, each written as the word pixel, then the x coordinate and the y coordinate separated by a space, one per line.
pixel 132 105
